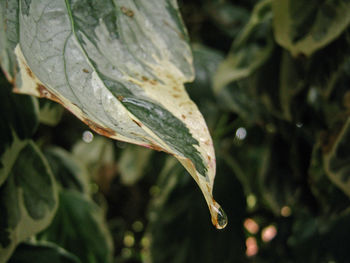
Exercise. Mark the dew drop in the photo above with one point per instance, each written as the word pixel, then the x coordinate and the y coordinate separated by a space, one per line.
pixel 218 216
pixel 88 136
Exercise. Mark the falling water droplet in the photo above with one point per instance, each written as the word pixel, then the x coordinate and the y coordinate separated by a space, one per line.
pixel 218 216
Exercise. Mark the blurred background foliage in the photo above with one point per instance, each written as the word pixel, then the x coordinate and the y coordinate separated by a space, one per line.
pixel 273 83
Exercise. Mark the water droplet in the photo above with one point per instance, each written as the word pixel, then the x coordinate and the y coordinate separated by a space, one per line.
pixel 88 136
pixel 218 216
pixel 241 133
pixel 299 124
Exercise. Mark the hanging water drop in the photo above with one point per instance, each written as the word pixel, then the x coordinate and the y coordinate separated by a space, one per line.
pixel 218 216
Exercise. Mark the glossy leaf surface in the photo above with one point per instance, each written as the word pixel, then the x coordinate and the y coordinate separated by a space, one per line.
pixel 120 67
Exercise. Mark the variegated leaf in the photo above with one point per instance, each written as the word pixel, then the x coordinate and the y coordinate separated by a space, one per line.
pixel 28 199
pixel 132 164
pixel 120 66
pixel 50 112
pixel 337 160
pixel 80 221
pixel 305 27
pixel 15 126
pixel 8 36
pixel 249 50
pixel 68 171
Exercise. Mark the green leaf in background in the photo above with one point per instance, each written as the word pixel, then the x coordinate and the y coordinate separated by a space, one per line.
pixel 91 241
pixel 250 49
pixel 50 112
pixel 99 157
pixel 69 173
pixel 42 252
pixel 206 61
pixel 228 17
pixel 15 125
pixel 132 164
pixel 337 160
pixel 303 27
pixel 20 112
pixel 168 214
pixel 327 67
pixel 79 228
pixel 278 177
pixel 28 199
pixel 320 239
pixel 331 199
pixel 241 98
pixel 9 37
pixel 121 69
pixel 292 81
pixel 254 98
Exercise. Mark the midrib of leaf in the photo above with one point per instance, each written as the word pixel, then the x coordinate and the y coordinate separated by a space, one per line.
pixel 70 15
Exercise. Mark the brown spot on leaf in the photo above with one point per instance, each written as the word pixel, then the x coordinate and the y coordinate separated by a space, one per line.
pixel 137 123
pixel 42 91
pixel 157 148
pixel 45 93
pixel 120 98
pixel 55 98
pixel 85 70
pixel 183 116
pixel 209 158
pixel 176 96
pixel 208 188
pixel 99 129
pixel 29 71
pixel 190 113
pixel 127 11
pixel 153 81
pixel 16 90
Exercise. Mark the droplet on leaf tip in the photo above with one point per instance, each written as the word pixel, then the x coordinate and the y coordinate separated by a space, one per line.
pixel 218 216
